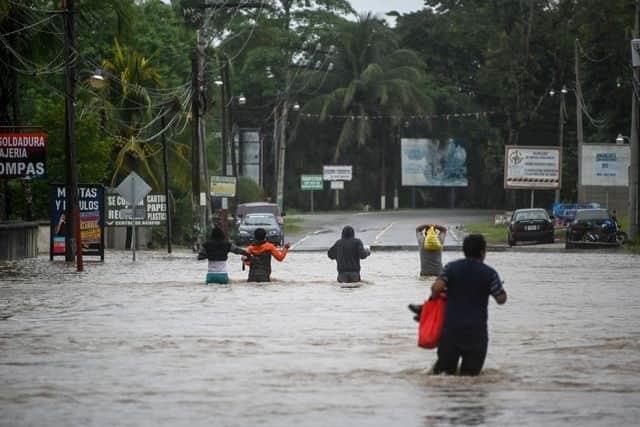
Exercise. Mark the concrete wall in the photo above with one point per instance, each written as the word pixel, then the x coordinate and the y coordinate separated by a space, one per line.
pixel 610 197
pixel 18 240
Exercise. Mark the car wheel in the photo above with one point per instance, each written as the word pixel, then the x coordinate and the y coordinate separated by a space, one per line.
pixel 621 237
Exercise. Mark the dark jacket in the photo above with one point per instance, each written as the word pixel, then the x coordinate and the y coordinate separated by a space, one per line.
pixel 348 252
pixel 218 250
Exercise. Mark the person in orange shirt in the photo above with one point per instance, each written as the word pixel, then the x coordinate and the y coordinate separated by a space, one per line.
pixel 261 252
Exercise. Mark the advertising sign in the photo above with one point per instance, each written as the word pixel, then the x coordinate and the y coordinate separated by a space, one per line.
pixel 337 173
pixel 311 182
pixel 427 162
pixel 23 154
pixel 223 186
pixel 535 168
pixel 91 205
pixel 605 165
pixel 150 211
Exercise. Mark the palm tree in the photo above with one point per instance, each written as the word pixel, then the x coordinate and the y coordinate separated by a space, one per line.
pixel 127 109
pixel 378 86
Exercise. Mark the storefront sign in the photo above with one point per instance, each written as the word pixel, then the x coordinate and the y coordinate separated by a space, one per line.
pixel 23 155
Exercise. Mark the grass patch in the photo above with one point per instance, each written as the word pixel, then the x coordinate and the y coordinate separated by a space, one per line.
pixel 493 233
pixel 292 224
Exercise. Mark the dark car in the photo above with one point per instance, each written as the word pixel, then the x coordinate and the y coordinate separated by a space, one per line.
pixel 244 209
pixel 249 224
pixel 530 225
pixel 592 227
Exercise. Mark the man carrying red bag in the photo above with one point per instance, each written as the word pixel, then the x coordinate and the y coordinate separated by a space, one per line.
pixel 467 282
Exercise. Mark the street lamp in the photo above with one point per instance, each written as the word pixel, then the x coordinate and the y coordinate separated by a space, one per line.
pixel 97 80
pixel 621 138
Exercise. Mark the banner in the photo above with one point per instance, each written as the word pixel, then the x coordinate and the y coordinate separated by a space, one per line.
pixel 435 163
pixel 605 165
pixel 91 205
pixel 23 154
pixel 535 168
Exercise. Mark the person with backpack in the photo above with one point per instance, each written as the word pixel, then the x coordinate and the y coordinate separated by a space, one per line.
pixel 260 253
pixel 348 251
pixel 216 250
pixel 430 241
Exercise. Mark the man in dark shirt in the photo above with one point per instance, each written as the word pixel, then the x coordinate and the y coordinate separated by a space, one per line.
pixel 348 251
pixel 468 282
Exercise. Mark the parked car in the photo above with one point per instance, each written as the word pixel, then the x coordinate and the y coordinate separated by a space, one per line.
pixel 530 225
pixel 249 224
pixel 259 207
pixel 593 227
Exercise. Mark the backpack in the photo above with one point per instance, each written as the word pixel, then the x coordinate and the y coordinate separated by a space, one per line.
pixel 431 240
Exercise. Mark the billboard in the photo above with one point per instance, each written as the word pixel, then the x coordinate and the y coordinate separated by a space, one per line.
pixel 535 168
pixel 23 154
pixel 605 165
pixel 429 162
pixel 91 205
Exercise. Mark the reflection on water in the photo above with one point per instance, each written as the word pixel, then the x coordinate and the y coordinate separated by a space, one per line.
pixel 147 343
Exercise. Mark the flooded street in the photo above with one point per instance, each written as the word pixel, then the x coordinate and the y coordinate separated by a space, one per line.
pixel 147 343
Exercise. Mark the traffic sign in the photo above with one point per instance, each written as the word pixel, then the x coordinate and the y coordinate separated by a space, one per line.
pixel 311 182
pixel 133 189
pixel 337 173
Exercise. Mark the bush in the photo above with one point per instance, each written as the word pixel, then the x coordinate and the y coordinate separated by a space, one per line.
pixel 249 191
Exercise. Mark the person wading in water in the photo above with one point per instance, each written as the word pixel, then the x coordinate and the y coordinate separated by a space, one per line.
pixel 261 252
pixel 216 250
pixel 348 251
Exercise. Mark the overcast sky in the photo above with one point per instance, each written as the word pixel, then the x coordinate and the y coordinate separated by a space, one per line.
pixel 380 7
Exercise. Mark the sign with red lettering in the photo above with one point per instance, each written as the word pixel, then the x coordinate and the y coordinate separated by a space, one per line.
pixel 23 154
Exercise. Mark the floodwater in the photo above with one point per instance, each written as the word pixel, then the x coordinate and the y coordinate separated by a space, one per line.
pixel 147 343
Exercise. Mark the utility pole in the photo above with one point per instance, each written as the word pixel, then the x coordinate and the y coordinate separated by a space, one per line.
pixel 579 130
pixel 633 164
pixel 562 116
pixel 199 171
pixel 282 149
pixel 73 243
pixel 165 159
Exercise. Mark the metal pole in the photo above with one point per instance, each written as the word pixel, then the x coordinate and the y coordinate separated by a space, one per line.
pixel 311 200
pixel 133 216
pixel 72 213
pixel 633 164
pixel 532 198
pixel 166 183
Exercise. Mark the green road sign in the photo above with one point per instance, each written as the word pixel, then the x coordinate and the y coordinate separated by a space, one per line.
pixel 311 182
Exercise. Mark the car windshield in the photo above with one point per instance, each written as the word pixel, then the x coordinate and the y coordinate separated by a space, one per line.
pixel 260 220
pixel 530 215
pixel 592 214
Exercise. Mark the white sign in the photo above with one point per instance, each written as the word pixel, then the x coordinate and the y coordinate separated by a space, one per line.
pixel 223 186
pixel 337 185
pixel 535 168
pixel 605 165
pixel 635 52
pixel 337 173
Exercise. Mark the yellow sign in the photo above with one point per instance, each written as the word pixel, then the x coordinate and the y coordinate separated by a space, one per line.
pixel 223 186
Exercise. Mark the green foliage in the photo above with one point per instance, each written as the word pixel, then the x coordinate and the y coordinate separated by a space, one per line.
pixel 249 191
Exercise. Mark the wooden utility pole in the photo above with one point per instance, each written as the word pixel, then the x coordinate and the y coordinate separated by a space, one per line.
pixel 165 160
pixel 633 164
pixel 73 242
pixel 579 130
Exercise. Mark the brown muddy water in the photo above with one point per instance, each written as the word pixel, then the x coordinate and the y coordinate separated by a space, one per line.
pixel 147 343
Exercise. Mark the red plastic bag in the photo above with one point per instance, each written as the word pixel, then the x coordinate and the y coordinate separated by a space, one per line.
pixel 431 321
